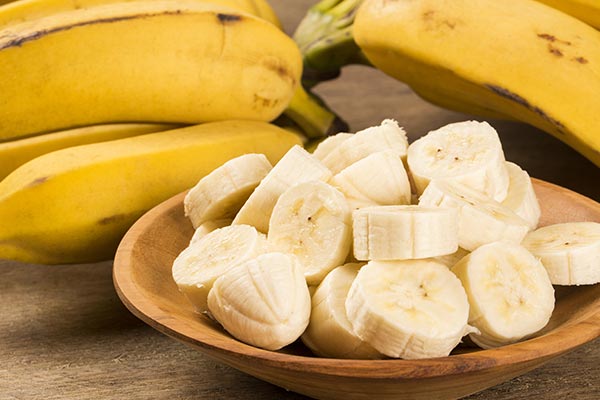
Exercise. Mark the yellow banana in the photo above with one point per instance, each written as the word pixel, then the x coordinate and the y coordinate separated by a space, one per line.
pixel 537 64
pixel 586 10
pixel 18 152
pixel 74 205
pixel 143 61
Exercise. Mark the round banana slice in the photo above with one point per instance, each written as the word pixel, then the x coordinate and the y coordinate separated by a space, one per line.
pixel 202 262
pixel 378 179
pixel 296 166
pixel 207 227
pixel 481 220
pixel 222 193
pixel 509 292
pixel 312 221
pixel 264 301
pixel 387 136
pixel 404 232
pixel 329 144
pixel 408 309
pixel 329 333
pixel 467 152
pixel 521 197
pixel 570 252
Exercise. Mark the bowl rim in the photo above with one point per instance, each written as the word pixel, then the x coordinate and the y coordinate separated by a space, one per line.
pixel 562 339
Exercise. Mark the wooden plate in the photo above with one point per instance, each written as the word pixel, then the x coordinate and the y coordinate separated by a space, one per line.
pixel 142 277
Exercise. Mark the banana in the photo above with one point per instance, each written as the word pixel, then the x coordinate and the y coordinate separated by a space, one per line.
pixel 18 152
pixel 587 11
pixel 427 40
pixel 264 301
pixel 408 309
pixel 197 267
pixel 469 153
pixel 481 219
pixel 74 205
pixel 404 232
pixel 329 333
pixel 328 144
pixel 207 227
pixel 296 166
pixel 521 197
pixel 510 294
pixel 387 136
pixel 312 221
pixel 224 191
pixel 100 64
pixel 378 179
pixel 570 252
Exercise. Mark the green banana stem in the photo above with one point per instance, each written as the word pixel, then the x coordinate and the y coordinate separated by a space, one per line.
pixel 313 116
pixel 325 39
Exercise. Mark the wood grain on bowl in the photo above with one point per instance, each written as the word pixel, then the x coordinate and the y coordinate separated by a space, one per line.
pixel 142 277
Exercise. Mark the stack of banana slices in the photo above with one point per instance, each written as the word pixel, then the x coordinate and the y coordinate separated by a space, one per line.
pixel 372 248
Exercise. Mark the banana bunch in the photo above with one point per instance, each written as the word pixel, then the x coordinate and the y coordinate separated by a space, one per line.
pixel 536 66
pixel 331 248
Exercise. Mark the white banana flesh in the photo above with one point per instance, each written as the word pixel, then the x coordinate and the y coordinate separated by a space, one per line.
pixel 387 136
pixel 199 265
pixel 329 333
pixel 312 221
pixel 570 252
pixel 378 179
pixel 408 309
pixel 264 301
pixel 509 293
pixel 329 144
pixel 481 219
pixel 521 197
pixel 469 153
pixel 224 191
pixel 404 232
pixel 207 227
pixel 295 167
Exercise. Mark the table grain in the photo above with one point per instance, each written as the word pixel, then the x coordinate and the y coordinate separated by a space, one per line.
pixel 64 334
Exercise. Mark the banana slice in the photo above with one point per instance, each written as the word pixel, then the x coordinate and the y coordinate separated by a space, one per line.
pixel 222 193
pixel 387 136
pixel 467 152
pixel 408 309
pixel 570 252
pixel 295 167
pixel 207 227
pixel 378 179
pixel 329 144
pixel 521 197
pixel 404 232
pixel 509 292
pixel 481 220
pixel 202 262
pixel 312 220
pixel 329 333
pixel 263 302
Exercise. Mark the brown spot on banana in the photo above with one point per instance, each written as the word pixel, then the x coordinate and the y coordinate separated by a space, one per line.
pixel 228 18
pixel 552 38
pixel 38 181
pixel 279 69
pixel 554 50
pixel 580 60
pixel 112 219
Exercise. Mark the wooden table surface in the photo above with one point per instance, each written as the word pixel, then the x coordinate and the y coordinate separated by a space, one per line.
pixel 64 334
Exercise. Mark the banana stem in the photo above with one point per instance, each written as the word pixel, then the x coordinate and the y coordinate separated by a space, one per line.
pixel 325 39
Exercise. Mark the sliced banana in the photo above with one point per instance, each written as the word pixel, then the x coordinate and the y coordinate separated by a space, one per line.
pixel 404 232
pixel 521 197
pixel 570 252
pixel 264 301
pixel 509 292
pixel 295 167
pixel 378 179
pixel 387 136
pixel 481 220
pixel 329 144
pixel 408 309
pixel 202 262
pixel 312 221
pixel 329 333
pixel 222 193
pixel 466 152
pixel 207 227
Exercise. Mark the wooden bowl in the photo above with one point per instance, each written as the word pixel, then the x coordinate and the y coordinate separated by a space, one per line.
pixel 142 277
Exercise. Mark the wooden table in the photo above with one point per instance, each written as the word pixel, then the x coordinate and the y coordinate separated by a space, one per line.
pixel 64 334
